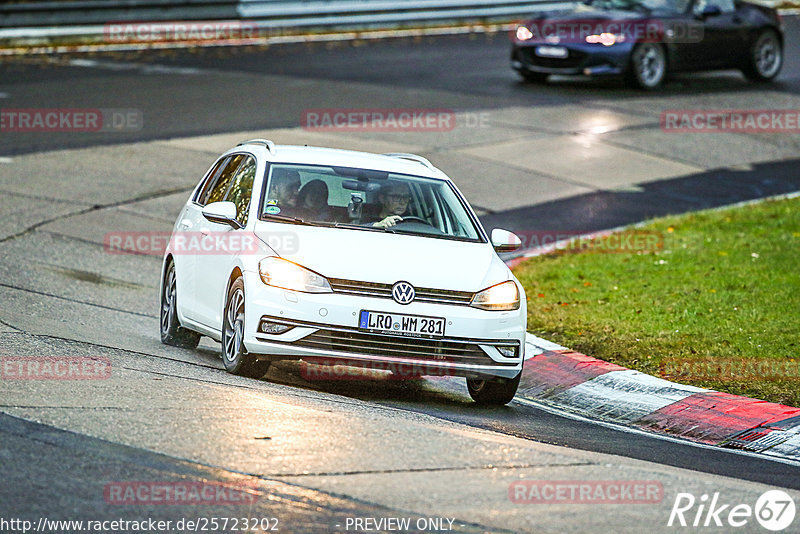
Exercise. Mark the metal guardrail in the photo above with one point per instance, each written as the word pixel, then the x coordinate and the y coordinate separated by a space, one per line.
pixel 86 12
pixel 64 14
pixel 86 22
pixel 379 12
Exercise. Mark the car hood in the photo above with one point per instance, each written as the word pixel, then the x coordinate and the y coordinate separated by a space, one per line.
pixel 384 257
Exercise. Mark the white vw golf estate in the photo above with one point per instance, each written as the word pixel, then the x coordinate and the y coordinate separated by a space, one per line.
pixel 290 252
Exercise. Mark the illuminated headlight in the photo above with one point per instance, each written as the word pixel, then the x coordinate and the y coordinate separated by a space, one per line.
pixel 504 296
pixel 523 33
pixel 606 39
pixel 282 273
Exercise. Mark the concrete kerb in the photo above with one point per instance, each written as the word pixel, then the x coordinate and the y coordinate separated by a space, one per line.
pixel 596 389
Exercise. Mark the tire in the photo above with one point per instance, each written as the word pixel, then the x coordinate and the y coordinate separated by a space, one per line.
pixel 496 392
pixel 648 68
pixel 234 355
pixel 534 77
pixel 765 59
pixel 172 333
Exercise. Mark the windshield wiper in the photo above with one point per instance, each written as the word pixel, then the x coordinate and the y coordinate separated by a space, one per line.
pixel 358 226
pixel 352 226
pixel 288 219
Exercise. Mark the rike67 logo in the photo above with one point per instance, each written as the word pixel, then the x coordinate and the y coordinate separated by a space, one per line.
pixel 774 510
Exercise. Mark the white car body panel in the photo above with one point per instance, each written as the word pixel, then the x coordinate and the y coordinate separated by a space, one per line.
pixel 359 255
pixel 387 258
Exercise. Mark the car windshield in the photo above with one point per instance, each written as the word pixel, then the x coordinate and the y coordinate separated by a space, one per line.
pixel 674 6
pixel 362 199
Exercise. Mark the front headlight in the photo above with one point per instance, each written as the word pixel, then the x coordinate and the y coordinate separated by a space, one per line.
pixel 504 296
pixel 285 274
pixel 523 33
pixel 606 39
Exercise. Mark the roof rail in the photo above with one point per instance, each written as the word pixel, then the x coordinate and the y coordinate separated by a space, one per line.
pixel 412 157
pixel 266 142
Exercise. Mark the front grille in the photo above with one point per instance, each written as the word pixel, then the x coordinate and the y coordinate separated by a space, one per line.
pixel 397 347
pixel 372 289
pixel 573 59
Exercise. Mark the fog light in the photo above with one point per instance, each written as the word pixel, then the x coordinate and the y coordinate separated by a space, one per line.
pixel 507 351
pixel 268 327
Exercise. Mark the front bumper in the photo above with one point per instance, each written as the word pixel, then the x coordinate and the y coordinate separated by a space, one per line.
pixel 583 59
pixel 325 326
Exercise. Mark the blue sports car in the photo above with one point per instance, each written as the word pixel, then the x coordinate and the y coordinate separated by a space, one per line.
pixel 645 40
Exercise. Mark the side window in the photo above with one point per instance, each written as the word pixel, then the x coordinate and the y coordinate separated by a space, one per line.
pixel 242 189
pixel 217 192
pixel 726 6
pixel 202 193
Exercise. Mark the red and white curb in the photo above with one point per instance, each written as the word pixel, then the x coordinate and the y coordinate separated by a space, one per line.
pixel 599 390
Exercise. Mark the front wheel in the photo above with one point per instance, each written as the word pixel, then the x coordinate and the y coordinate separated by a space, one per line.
pixel 765 59
pixel 497 392
pixel 234 355
pixel 648 65
pixel 172 333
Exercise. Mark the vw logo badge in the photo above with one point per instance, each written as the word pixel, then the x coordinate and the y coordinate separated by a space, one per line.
pixel 403 293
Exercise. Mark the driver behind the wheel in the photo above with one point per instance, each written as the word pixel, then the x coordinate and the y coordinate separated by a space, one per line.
pixel 394 198
pixel 283 190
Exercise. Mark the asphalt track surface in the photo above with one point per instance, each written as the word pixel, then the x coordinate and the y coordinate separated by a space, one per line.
pixel 77 311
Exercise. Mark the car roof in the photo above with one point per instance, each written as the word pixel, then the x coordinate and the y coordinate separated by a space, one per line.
pixel 400 163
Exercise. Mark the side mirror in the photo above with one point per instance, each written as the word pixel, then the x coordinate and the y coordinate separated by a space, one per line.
pixel 505 241
pixel 711 11
pixel 222 213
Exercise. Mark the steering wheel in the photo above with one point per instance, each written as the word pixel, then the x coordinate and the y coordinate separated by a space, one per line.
pixel 414 219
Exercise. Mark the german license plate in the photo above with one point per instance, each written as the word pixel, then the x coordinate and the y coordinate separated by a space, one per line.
pixel 551 51
pixel 398 323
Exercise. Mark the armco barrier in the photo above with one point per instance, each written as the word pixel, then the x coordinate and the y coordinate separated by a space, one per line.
pixel 85 19
pixel 380 12
pixel 91 12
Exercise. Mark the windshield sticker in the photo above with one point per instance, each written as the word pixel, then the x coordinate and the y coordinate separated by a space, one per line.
pixel 272 210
